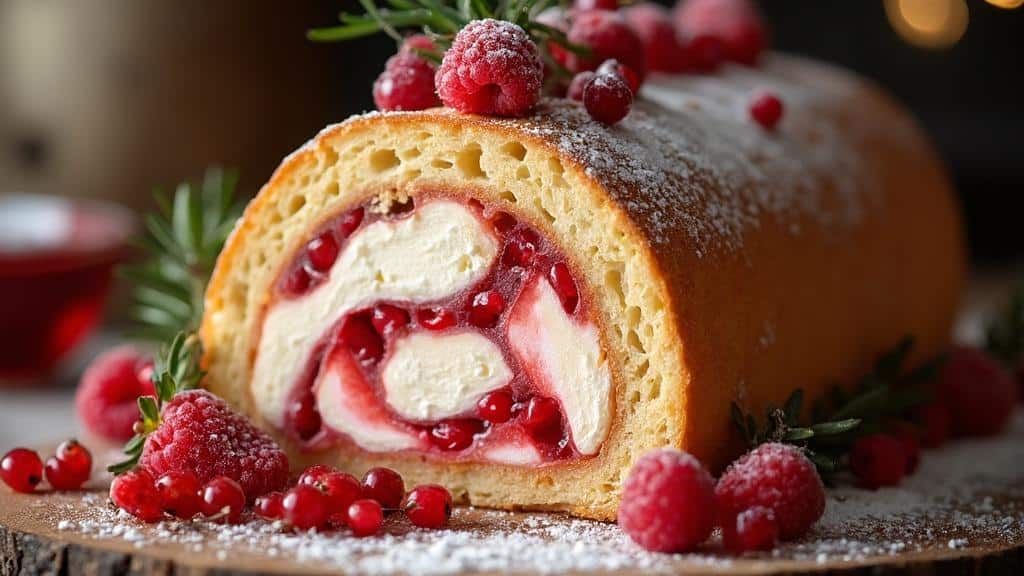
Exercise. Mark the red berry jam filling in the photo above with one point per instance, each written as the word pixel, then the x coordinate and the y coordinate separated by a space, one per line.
pixel 362 342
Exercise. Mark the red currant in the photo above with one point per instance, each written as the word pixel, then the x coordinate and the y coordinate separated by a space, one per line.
pixel 705 52
pixel 428 506
pixel 579 82
pixel 22 470
pixel 455 434
pixel 386 318
pixel 304 416
pixel 486 308
pixel 297 281
pixel 135 493
pixel 622 71
pixel 179 494
pixel 270 506
pixel 385 486
pixel 315 474
pixel 341 490
pixel 522 247
pixel 752 529
pixel 70 467
pixel 564 285
pixel 607 98
pixel 222 500
pixel 365 517
pixel 495 407
pixel 322 251
pixel 349 222
pixel 543 417
pixel 436 318
pixel 503 222
pixel 766 109
pixel 358 334
pixel 305 507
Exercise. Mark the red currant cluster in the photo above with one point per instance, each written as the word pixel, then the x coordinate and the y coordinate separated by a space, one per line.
pixel 323 498
pixel 670 503
pixel 68 469
pixel 495 68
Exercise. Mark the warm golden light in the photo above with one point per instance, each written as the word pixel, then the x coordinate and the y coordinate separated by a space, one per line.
pixel 1008 4
pixel 932 24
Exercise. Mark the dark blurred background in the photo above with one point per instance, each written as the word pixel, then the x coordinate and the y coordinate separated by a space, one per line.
pixel 107 98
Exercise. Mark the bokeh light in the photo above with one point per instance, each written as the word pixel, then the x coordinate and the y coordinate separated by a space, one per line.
pixel 934 24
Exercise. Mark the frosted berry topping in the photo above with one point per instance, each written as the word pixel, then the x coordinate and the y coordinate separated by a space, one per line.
pixel 778 477
pixel 668 502
pixel 108 393
pixel 878 460
pixel 199 433
pixel 608 37
pixel 607 98
pixel 407 83
pixel 492 68
pixel 978 391
pixel 766 109
pixel 736 23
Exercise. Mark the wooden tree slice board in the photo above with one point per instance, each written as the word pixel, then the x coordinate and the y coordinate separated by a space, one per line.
pixel 961 513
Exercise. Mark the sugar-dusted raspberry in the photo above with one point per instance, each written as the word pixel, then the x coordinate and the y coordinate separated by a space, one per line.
pixel 778 477
pixel 737 23
pixel 492 68
pixel 753 529
pixel 608 99
pixel 668 502
pixel 878 460
pixel 199 433
pixel 407 83
pixel 579 82
pixel 608 37
pixel 980 394
pixel 108 393
pixel 653 25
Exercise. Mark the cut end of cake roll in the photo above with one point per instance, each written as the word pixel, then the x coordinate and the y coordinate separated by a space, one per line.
pixel 519 309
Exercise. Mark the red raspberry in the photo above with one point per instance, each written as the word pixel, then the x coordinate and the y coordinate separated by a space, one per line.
pixel 108 393
pixel 910 438
pixel 579 82
pixel 753 529
pixel 980 394
pixel 878 460
pixel 936 423
pixel 766 109
pixel 736 23
pixel 407 83
pixel 778 477
pixel 199 433
pixel 135 493
pixel 608 99
pixel 608 37
pixel 668 502
pixel 492 68
pixel 653 25
pixel 428 506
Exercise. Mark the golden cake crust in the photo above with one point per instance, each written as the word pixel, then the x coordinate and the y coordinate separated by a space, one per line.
pixel 723 262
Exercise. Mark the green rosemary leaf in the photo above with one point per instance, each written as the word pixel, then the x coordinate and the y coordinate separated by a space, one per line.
pixel 482 9
pixel 126 465
pixel 824 463
pixel 173 303
pixel 165 240
pixel 864 405
pixel 889 365
pixel 401 4
pixel 797 434
pixel 154 316
pixel 164 384
pixel 835 427
pixel 346 32
pixel 152 278
pixel 927 371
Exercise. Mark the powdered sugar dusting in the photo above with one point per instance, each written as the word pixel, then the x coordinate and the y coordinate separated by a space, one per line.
pixel 966 495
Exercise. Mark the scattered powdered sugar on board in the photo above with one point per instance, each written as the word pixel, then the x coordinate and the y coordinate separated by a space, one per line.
pixel 967 494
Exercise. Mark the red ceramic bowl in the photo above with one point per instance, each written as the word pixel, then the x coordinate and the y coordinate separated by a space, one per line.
pixel 56 261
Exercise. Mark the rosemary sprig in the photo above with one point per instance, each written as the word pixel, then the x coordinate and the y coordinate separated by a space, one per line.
pixel 887 391
pixel 442 19
pixel 1004 336
pixel 182 241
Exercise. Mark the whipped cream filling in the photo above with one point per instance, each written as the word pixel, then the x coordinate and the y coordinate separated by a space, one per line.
pixel 439 249
pixel 430 377
pixel 565 359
